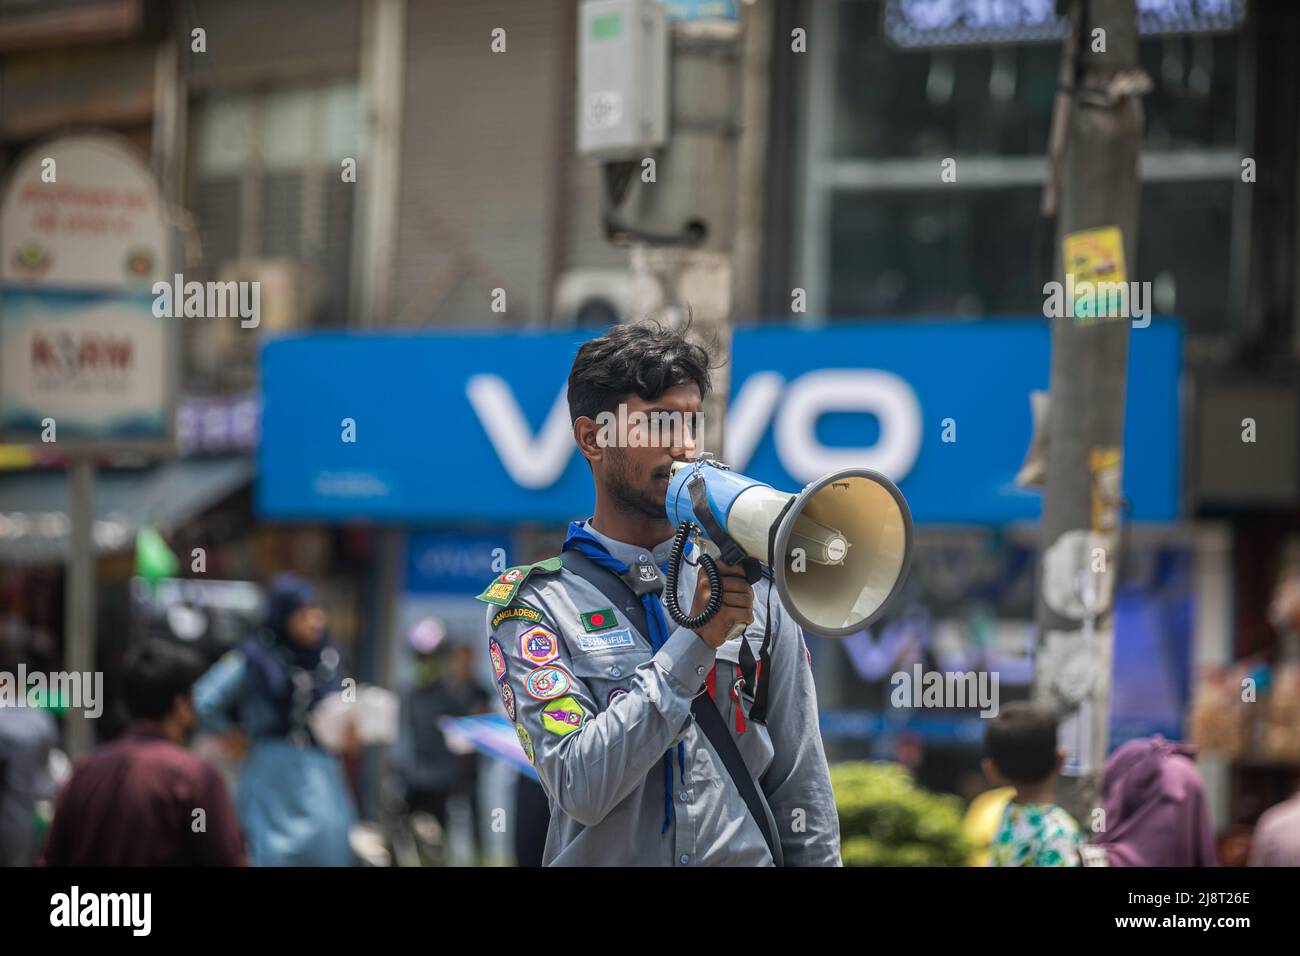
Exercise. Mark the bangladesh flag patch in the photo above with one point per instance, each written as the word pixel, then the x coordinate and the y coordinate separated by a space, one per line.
pixel 593 621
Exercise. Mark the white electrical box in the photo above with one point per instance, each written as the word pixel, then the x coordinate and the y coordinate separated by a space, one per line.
pixel 622 78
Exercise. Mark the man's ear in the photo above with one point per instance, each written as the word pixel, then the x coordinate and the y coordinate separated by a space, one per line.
pixel 587 435
pixel 1060 758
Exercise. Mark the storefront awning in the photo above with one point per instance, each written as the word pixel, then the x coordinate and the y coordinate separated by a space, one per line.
pixel 34 521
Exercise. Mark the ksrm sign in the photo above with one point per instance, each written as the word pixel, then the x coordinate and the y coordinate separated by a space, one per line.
pixel 474 427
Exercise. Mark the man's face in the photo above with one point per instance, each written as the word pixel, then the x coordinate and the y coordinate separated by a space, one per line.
pixel 632 462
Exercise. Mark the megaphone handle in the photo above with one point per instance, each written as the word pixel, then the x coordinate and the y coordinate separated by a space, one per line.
pixel 753 570
pixel 737 629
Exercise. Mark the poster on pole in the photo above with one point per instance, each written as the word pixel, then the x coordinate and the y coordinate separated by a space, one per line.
pixel 85 363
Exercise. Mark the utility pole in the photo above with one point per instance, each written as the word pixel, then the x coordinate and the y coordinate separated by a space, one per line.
pixel 1096 133
pixel 673 199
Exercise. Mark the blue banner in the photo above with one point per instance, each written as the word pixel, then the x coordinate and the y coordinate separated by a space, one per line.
pixel 469 426
pixel 450 563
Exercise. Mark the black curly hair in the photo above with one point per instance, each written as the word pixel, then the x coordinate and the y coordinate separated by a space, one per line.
pixel 646 358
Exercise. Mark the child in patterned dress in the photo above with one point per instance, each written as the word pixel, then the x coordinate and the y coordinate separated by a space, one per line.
pixel 1021 751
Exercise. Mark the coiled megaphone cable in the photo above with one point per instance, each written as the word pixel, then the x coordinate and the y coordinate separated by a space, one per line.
pixel 674 566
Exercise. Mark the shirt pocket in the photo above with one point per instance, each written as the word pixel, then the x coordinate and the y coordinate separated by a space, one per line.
pixel 609 671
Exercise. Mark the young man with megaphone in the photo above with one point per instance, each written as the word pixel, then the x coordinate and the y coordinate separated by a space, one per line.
pixel 658 744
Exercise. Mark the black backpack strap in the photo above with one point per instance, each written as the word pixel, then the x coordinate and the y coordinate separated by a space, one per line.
pixel 619 593
pixel 763 672
pixel 710 721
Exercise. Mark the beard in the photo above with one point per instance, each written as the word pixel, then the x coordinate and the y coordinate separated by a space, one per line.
pixel 627 495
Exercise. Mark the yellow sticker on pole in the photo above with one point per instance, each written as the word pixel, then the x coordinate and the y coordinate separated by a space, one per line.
pixel 1104 466
pixel 1096 283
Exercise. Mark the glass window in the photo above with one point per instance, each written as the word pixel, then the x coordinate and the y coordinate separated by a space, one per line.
pixel 276 154
pixel 884 236
pixel 942 252
pixel 997 100
pixel 988 252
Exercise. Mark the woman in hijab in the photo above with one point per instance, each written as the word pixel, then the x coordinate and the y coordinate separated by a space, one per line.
pixel 1156 810
pixel 292 800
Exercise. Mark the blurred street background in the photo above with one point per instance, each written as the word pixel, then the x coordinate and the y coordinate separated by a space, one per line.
pixel 406 186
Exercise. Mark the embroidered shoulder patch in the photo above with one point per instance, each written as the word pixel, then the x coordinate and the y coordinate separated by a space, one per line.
pixel 506 585
pixel 547 683
pixel 563 717
pixel 525 742
pixel 498 659
pixel 539 645
pixel 508 699
pixel 517 612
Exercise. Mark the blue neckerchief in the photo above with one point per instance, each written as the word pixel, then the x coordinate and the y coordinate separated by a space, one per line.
pixel 580 539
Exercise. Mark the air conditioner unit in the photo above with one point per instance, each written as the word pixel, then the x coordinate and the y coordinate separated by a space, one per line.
pixel 290 291
pixel 593 297
pixel 224 349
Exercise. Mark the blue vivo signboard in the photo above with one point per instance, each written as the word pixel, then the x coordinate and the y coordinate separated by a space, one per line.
pixel 474 426
pixel 453 563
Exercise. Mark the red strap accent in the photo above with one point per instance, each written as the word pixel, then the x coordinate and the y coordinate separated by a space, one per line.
pixel 711 681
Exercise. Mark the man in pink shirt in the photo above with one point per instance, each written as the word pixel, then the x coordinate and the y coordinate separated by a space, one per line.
pixel 143 799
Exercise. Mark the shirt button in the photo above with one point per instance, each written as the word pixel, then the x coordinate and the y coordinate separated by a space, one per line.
pixel 700 670
pixel 616 671
pixel 684 796
pixel 684 859
pixel 643 558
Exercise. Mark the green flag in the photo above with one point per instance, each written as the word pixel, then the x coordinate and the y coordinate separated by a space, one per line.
pixel 153 559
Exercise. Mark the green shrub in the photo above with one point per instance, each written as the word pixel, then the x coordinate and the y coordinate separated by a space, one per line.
pixel 887 820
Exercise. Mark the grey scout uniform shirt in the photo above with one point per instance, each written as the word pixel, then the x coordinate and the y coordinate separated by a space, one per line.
pixel 602 768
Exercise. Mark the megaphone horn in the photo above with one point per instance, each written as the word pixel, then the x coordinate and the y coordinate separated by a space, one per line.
pixel 838 550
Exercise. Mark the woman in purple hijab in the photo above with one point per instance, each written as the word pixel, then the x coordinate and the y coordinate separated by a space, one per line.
pixel 1156 810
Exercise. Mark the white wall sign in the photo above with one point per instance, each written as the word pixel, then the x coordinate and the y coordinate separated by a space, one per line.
pixel 82 240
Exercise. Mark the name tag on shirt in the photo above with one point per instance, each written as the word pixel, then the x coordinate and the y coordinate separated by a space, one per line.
pixel 602 640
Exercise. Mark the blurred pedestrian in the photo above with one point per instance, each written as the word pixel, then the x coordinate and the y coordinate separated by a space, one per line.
pixel 143 799
pixel 982 822
pixel 28 735
pixel 1156 812
pixel 1276 841
pixel 1284 608
pixel 293 800
pixel 1022 752
pixel 444 687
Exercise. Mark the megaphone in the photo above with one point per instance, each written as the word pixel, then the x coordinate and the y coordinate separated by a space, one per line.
pixel 838 550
